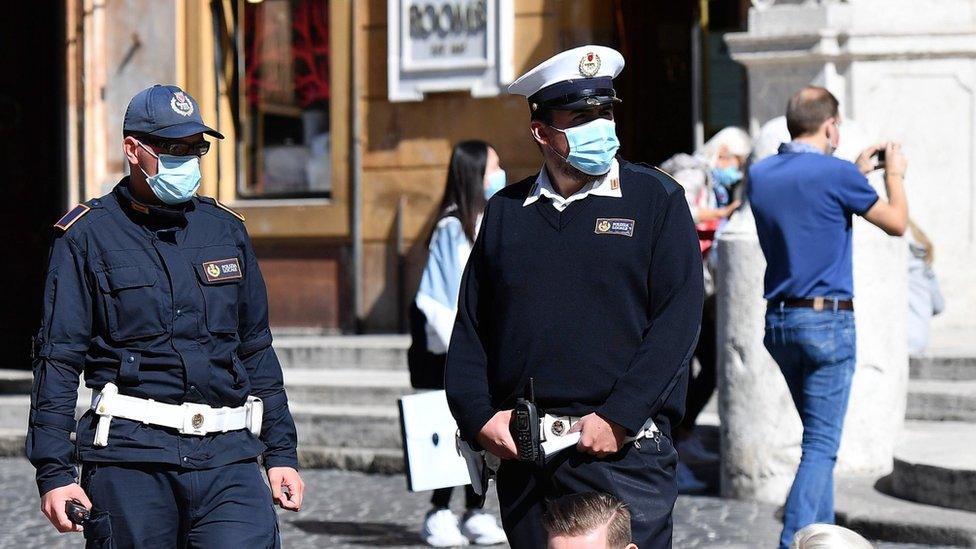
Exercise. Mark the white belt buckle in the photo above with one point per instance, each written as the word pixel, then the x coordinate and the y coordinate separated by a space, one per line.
pixel 193 420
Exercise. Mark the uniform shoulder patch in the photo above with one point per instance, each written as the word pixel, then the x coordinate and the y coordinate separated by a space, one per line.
pixel 73 215
pixel 220 205
pixel 224 207
pixel 669 179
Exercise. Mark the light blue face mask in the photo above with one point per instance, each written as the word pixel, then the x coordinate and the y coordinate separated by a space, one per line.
pixel 496 182
pixel 177 177
pixel 592 146
pixel 727 176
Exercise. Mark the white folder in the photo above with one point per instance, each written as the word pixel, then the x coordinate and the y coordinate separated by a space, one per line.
pixel 429 445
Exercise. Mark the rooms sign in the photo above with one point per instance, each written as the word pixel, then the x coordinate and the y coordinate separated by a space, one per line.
pixel 448 45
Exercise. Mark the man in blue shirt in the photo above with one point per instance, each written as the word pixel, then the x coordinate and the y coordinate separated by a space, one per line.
pixel 803 200
pixel 155 296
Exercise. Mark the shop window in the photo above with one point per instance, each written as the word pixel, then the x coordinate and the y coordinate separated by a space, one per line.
pixel 285 126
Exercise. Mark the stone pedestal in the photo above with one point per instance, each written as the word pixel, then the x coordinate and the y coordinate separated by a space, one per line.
pixel 906 70
pixel 760 425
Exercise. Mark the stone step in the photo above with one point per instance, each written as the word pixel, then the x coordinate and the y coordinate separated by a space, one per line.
pixel 341 426
pixel 334 387
pixel 376 352
pixel 366 460
pixel 348 426
pixel 935 464
pixel 14 382
pixel 13 411
pixel 945 366
pixel 383 461
pixel 939 400
pixel 863 505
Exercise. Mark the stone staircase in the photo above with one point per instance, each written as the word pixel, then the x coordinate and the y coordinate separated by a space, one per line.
pixel 930 495
pixel 342 392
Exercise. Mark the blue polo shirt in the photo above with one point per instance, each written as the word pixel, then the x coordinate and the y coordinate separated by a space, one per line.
pixel 803 202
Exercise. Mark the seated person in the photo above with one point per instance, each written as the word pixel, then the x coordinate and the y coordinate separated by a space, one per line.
pixel 588 521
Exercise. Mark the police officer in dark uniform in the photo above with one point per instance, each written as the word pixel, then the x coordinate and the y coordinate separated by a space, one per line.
pixel 155 295
pixel 585 279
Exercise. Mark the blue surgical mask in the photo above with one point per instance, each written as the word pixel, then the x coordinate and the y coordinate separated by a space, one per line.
pixel 592 146
pixel 496 182
pixel 727 176
pixel 177 177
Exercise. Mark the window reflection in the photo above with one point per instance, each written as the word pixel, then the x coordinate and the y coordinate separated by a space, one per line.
pixel 287 94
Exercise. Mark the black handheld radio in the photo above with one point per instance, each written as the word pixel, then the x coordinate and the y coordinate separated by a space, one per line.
pixel 525 428
pixel 76 512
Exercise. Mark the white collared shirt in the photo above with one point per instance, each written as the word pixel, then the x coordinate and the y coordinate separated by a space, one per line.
pixel 607 185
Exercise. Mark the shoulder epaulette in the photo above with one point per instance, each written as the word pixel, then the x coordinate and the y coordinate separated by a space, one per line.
pixel 671 177
pixel 69 219
pixel 224 207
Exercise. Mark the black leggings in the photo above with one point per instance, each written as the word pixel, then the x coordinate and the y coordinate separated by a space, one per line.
pixel 701 387
pixel 442 498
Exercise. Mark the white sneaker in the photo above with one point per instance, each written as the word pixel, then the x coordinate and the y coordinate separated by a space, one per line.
pixel 441 529
pixel 482 528
pixel 691 450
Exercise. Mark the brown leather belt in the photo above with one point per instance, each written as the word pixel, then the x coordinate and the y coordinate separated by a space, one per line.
pixel 817 304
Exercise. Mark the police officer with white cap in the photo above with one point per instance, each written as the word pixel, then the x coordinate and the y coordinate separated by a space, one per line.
pixel 585 282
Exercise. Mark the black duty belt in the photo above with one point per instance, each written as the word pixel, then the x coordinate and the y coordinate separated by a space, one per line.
pixel 816 303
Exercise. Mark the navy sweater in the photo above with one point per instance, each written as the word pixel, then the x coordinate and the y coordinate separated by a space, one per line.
pixel 602 321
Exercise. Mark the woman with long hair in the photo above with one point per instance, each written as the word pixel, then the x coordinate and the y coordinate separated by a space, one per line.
pixel 473 176
pixel 924 296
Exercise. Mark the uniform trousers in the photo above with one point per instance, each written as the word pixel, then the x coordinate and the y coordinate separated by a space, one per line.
pixel 640 475
pixel 152 505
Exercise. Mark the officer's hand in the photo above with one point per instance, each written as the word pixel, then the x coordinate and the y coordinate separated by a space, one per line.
pixel 496 438
pixel 598 436
pixel 52 505
pixel 286 477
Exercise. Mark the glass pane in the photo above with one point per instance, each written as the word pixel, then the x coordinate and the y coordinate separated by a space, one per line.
pixel 287 90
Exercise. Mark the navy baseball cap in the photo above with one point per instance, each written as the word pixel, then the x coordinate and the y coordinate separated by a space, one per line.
pixel 165 111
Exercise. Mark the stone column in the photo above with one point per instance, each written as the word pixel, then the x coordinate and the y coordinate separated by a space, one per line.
pixel 760 425
pixel 840 46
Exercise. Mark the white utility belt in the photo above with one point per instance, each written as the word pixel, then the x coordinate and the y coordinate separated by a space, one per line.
pixel 187 418
pixel 556 437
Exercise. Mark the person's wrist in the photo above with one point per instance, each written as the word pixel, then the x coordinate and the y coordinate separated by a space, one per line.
pixel 889 175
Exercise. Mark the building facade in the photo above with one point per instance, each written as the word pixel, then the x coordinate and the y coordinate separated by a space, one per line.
pixel 338 174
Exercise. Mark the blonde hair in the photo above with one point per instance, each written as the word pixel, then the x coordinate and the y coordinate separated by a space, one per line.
pixel 580 514
pixel 923 241
pixel 828 536
pixel 735 140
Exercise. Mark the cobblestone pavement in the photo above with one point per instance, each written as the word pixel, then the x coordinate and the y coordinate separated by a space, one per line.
pixel 353 510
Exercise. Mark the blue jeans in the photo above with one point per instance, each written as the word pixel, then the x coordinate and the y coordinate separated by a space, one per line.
pixel 815 350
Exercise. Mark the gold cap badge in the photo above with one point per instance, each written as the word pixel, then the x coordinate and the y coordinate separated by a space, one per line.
pixel 589 65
